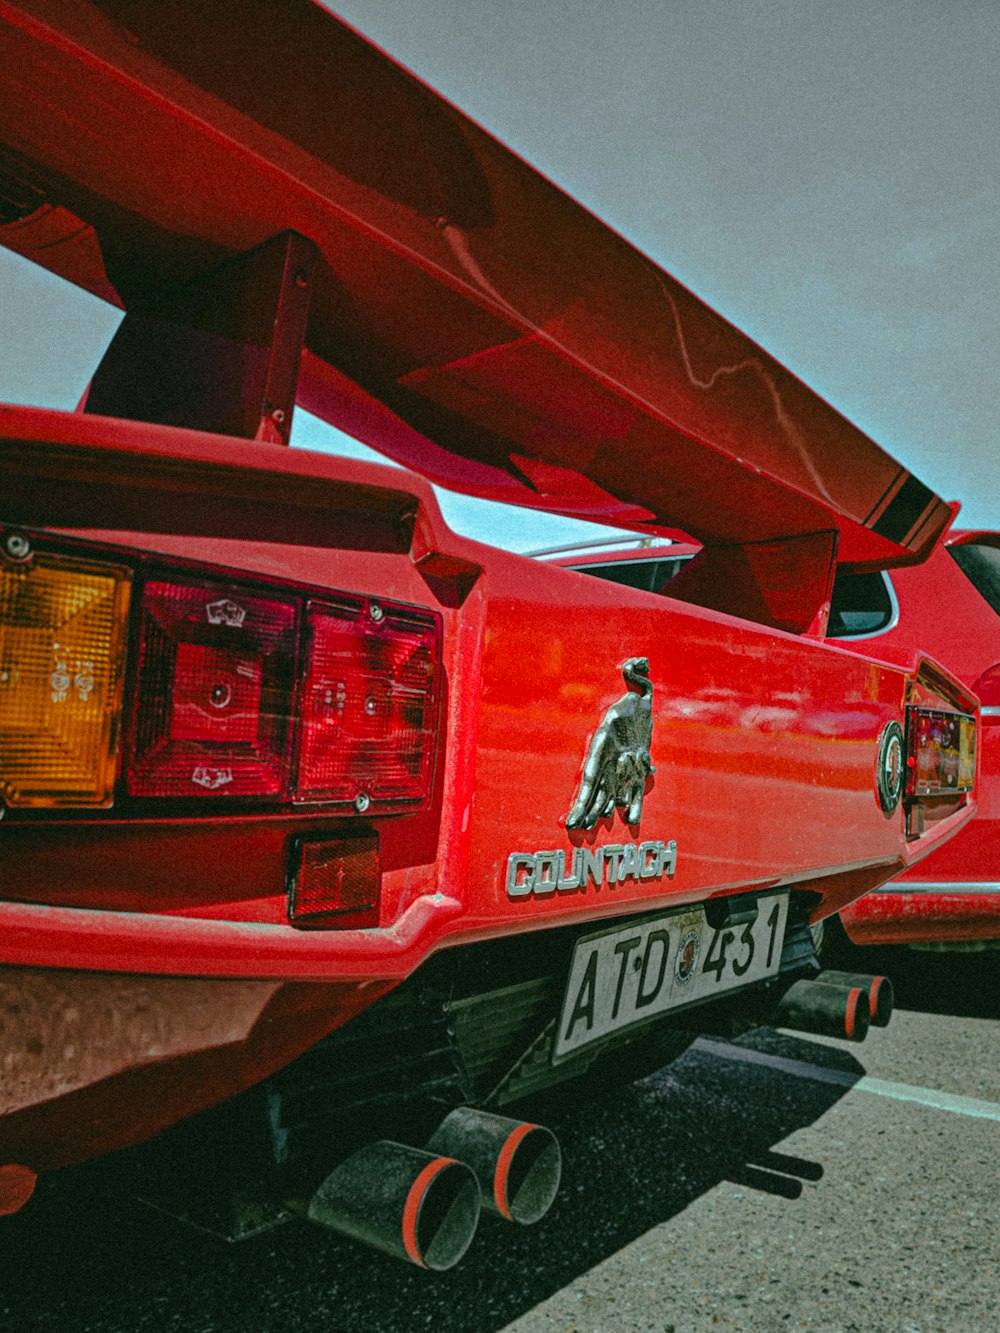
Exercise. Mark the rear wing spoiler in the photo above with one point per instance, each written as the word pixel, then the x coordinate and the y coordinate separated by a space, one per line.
pixel 464 316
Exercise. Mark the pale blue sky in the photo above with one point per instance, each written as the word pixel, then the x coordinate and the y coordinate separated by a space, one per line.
pixel 825 175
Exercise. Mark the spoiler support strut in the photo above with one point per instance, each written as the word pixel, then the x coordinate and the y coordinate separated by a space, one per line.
pixel 219 353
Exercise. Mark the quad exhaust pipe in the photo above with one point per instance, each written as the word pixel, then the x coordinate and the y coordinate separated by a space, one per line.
pixel 518 1165
pixel 824 1010
pixel 878 991
pixel 836 1004
pixel 423 1205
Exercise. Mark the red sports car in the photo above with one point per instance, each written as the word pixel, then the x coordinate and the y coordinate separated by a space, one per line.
pixel 951 607
pixel 312 804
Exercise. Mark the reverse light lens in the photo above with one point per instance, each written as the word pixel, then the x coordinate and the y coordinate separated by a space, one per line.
pixel 941 754
pixel 368 705
pixel 335 877
pixel 62 640
pixel 215 684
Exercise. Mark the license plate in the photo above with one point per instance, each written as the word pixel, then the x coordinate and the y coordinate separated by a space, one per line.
pixel 632 973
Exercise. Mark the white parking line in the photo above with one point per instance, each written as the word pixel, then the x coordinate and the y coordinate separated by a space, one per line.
pixel 879 1087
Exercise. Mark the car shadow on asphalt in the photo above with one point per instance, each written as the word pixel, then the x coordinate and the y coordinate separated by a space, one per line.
pixel 79 1258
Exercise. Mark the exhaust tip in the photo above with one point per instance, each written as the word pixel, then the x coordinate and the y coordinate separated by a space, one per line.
pixel 878 990
pixel 881 1001
pixel 440 1215
pixel 412 1204
pixel 518 1164
pixel 527 1177
pixel 824 1009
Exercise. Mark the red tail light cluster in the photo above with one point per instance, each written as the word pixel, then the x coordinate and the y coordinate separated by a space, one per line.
pixel 231 690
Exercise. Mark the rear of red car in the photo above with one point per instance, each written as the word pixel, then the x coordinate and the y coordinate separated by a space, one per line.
pixel 951 604
pixel 317 812
pixel 273 736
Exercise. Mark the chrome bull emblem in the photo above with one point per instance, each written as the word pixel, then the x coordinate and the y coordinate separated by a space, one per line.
pixel 618 761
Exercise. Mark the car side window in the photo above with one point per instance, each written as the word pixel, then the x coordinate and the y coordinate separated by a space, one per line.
pixel 981 566
pixel 646 575
pixel 862 605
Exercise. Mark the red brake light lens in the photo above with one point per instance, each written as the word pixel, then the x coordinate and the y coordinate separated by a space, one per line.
pixel 215 692
pixel 368 704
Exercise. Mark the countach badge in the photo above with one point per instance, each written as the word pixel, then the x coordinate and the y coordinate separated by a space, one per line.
pixel 618 761
pixel 541 874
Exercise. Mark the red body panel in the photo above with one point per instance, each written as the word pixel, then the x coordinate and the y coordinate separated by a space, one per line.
pixel 953 896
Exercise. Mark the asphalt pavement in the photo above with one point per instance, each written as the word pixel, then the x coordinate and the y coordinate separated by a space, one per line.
pixel 778 1182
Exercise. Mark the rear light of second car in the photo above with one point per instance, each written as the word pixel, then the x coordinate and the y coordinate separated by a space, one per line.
pixel 987 687
pixel 126 682
pixel 941 752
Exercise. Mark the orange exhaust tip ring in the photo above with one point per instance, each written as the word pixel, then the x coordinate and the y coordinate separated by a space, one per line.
pixel 411 1208
pixel 17 1185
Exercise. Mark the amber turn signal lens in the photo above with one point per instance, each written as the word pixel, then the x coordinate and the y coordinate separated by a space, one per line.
pixel 62 647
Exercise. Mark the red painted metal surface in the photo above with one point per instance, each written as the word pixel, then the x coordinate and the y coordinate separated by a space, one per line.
pixel 17 1184
pixel 954 895
pixel 945 913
